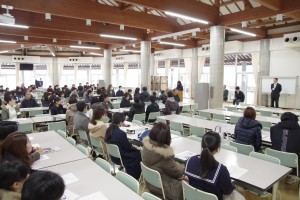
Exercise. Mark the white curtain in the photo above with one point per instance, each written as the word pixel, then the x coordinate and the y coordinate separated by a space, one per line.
pixel 255 65
pixel 201 62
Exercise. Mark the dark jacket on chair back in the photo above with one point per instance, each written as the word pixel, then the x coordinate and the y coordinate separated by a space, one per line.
pixel 136 108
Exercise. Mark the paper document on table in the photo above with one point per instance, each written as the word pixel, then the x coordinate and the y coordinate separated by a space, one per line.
pixel 35 145
pixel 69 178
pixel 44 157
pixel 68 195
pixel 184 155
pixel 95 196
pixel 236 172
pixel 30 137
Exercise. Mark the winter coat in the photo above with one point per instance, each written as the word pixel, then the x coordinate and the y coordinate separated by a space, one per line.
pixel 248 131
pixel 125 103
pixel 171 105
pixel 5 112
pixel 111 93
pixel 145 96
pixel 98 131
pixel 81 121
pixel 153 107
pixel 161 159
pixel 71 111
pixel 9 195
pixel 136 108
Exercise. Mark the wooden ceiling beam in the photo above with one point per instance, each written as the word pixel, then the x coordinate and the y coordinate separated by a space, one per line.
pixel 124 6
pixel 95 11
pixel 269 22
pixel 191 8
pixel 271 4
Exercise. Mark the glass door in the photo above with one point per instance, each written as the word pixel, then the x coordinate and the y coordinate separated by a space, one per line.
pixel 247 85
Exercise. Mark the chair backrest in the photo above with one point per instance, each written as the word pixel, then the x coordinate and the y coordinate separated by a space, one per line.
pixel 220 120
pixel 116 105
pixel 139 117
pixel 191 193
pixel 129 181
pixel 265 157
pixel 223 109
pixel 195 138
pixel 137 122
pixel 95 142
pixel 205 114
pixel 231 108
pixel 161 120
pixel 242 148
pixel 54 126
pixel 185 114
pixel 149 196
pixel 200 117
pixel 198 131
pixel 176 126
pixel 83 149
pixel 71 141
pixel 113 150
pixel 229 148
pixel 194 106
pixel 266 113
pixel 33 113
pixel 62 133
pixel 84 136
pixel 234 119
pixel 103 164
pixel 25 127
pixel 265 124
pixel 152 177
pixel 153 115
pixel 186 108
pixel 176 132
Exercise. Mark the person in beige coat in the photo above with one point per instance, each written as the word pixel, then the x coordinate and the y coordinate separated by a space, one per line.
pixel 71 111
pixel 98 129
pixel 159 156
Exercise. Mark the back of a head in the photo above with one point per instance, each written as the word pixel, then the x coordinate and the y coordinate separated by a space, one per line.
pixel 73 99
pixel 116 120
pixel 95 100
pixel 6 128
pixel 152 98
pixel 160 133
pixel 144 89
pixel 250 112
pixel 237 88
pixel 137 90
pixel 43 185
pixel 211 142
pixel 288 116
pixel 126 94
pixel 80 106
pixel 129 90
pixel 162 92
pixel 170 94
pixel 98 113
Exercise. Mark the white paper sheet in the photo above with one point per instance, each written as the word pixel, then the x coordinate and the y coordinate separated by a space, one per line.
pixel 68 195
pixel 35 145
pixel 44 157
pixel 236 172
pixel 184 155
pixel 30 137
pixel 95 196
pixel 69 178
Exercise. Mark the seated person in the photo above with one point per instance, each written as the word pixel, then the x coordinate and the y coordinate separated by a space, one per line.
pixel 144 96
pixel 106 104
pixel 50 89
pixel 88 96
pixel 153 107
pixel 56 107
pixel 131 156
pixel 12 177
pixel 248 130
pixel 171 105
pixel 6 128
pixel 136 93
pixel 163 97
pixel 176 96
pixel 129 91
pixel 159 155
pixel 71 111
pixel 43 185
pixel 205 173
pixel 17 146
pixel 138 107
pixel 11 109
pixel 28 101
pixel 285 135
pixel 125 103
pixel 46 100
pixel 120 93
pixel 81 121
pixel 238 96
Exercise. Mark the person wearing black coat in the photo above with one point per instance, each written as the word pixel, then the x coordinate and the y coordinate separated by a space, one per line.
pixel 120 93
pixel 248 130
pixel 275 94
pixel 145 96
pixel 131 157
pixel 163 97
pixel 138 107
pixel 153 107
pixel 225 94
pixel 125 103
pixel 285 135
pixel 238 96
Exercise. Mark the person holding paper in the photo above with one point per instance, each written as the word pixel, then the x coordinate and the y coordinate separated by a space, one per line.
pixel 275 93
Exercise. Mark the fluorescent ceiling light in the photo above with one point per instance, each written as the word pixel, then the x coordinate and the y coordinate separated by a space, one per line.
pixel 84 47
pixel 186 17
pixel 131 50
pixel 3 51
pixel 53 54
pixel 96 54
pixel 118 37
pixel 172 43
pixel 14 25
pixel 7 41
pixel 243 32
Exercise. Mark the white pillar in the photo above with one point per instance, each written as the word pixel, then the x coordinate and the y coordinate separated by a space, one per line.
pixel 194 71
pixel 145 63
pixel 264 67
pixel 107 67
pixel 54 75
pixel 217 39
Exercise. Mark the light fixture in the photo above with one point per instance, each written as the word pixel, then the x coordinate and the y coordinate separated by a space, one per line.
pixel 3 51
pixel 52 54
pixel 243 32
pixel 84 47
pixel 117 37
pixel 88 22
pixel 8 41
pixel 186 17
pixel 175 37
pixel 54 40
pixel 14 25
pixel 133 45
pixel 25 37
pixel 194 34
pixel 244 24
pixel 172 43
pixel 79 42
pixel 96 54
pixel 130 50
pixel 122 27
pixel 48 16
pixel 180 33
pixel 279 17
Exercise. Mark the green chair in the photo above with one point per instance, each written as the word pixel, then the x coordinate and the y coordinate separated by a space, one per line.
pixel 161 120
pixel 176 132
pixel 185 114
pixel 219 116
pixel 195 138
pixel 199 117
pixel 229 148
pixel 84 137
pixel 265 157
pixel 54 126
pixel 153 116
pixel 231 108
pixel 113 151
pixel 105 120
pixel 25 127
pixel 153 178
pixel 116 105
pixel 265 124
pixel 205 114
pixel 71 141
pixel 103 164
pixel 191 193
pixel 242 148
pixel 266 113
pixel 149 196
pixel 137 122
pixel 129 181
pixel 194 109
pixel 177 127
pixel 97 147
pixel 234 119
pixel 186 109
pixel 197 131
pixel 140 117
pixel 33 113
pixel 84 150
pixel 220 120
pixel 62 133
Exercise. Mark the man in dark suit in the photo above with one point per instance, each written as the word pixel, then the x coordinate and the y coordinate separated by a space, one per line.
pixel 238 96
pixel 275 94
pixel 225 94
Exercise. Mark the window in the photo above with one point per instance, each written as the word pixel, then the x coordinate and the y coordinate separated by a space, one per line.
pixel 8 75
pixel 133 70
pixel 68 75
pixel 83 71
pixel 41 72
pixel 161 68
pixel 118 75
pixel 96 74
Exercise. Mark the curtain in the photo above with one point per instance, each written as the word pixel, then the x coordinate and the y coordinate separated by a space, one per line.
pixel 201 62
pixel 188 67
pixel 255 65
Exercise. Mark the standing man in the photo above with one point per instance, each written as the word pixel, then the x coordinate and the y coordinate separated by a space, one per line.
pixel 275 94
pixel 238 96
pixel 225 94
pixel 41 83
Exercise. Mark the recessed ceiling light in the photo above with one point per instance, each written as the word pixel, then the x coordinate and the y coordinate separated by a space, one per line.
pixel 8 41
pixel 117 37
pixel 243 32
pixel 186 17
pixel 14 25
pixel 84 47
pixel 172 43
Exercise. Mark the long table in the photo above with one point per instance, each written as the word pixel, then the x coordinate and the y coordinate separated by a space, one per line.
pixel 33 109
pixel 257 173
pixel 260 108
pixel 51 139
pixel 49 118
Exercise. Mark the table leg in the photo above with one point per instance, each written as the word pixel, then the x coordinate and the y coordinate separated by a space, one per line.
pixel 274 190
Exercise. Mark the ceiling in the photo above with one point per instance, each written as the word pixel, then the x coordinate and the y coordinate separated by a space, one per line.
pixel 142 19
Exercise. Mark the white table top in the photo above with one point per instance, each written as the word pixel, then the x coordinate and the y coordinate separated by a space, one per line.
pixel 21 120
pixel 274 110
pixel 50 139
pixel 260 174
pixel 49 118
pixel 34 108
pixel 92 179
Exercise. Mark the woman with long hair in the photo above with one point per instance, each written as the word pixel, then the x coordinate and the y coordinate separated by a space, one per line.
pixel 56 107
pixel 180 90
